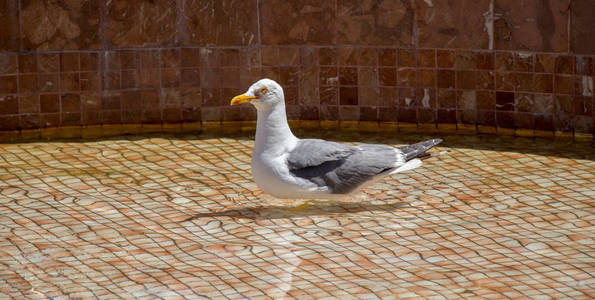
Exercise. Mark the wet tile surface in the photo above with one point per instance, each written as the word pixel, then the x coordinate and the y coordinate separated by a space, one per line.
pixel 172 217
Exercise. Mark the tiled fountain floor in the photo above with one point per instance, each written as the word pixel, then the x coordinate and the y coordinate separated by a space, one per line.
pixel 172 217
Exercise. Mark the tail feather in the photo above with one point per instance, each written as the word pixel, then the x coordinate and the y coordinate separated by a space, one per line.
pixel 410 165
pixel 417 150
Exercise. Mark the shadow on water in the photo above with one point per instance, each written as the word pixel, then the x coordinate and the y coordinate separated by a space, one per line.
pixel 284 212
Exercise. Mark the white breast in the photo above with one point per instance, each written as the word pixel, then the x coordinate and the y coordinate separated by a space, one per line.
pixel 273 177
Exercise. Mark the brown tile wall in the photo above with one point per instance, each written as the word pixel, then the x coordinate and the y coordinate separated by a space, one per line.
pixel 526 64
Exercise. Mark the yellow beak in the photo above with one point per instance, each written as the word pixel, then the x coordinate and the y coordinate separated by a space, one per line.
pixel 239 99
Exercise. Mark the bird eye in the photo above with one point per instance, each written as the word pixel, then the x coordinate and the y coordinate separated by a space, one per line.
pixel 263 90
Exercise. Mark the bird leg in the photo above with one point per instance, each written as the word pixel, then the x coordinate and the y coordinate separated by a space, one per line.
pixel 302 207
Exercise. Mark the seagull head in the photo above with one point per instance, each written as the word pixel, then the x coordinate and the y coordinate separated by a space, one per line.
pixel 263 94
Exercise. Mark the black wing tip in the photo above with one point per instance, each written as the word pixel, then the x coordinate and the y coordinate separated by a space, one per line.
pixel 431 143
pixel 415 150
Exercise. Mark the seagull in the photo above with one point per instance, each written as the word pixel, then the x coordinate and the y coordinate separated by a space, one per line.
pixel 285 166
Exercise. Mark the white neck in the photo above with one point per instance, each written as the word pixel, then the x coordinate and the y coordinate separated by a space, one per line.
pixel 272 131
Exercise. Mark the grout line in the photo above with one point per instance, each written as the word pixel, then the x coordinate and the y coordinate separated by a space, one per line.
pixel 102 25
pixel 569 26
pixel 491 35
pixel 20 21
pixel 258 20
pixel 18 73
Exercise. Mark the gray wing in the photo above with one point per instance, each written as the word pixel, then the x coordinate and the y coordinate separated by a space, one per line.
pixel 313 152
pixel 339 167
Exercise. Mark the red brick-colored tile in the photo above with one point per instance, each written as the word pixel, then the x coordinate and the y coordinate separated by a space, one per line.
pixel 70 102
pixel 27 63
pixel 445 58
pixel 375 23
pixel 348 96
pixel 69 82
pixel 524 120
pixel 543 83
pixel 90 81
pixel 170 58
pixel 524 62
pixel 388 96
pixel 564 64
pixel 485 80
pixel 446 79
pixel 520 25
pixel 426 58
pixel 585 65
pixel 8 84
pixel 466 60
pixel 406 58
pixel 348 113
pixel 545 62
pixel 329 113
pixel 288 23
pixel 426 78
pixel 388 114
pixel 48 63
pixel 347 56
pixel 582 34
pixel 9 105
pixel 406 77
pixel 505 81
pixel 524 82
pixel 505 101
pixel 70 119
pixel 52 26
pixel 27 83
pixel 467 117
pixel 387 57
pixel 49 103
pixel 329 76
pixel 564 84
pixel 29 104
pixel 407 115
pixel 89 61
pixel 189 57
pixel 8 64
pixel 505 119
pixel 174 115
pixel 171 78
pixel 486 118
pixel 48 82
pixel 457 24
pixel 309 113
pixel 69 62
pixel 486 100
pixel 10 34
pixel 140 27
pixel 447 116
pixel 523 103
pixel 129 59
pixel 447 98
pixel 225 26
pixel 387 76
pixel 466 79
pixel 329 96
pixel 504 61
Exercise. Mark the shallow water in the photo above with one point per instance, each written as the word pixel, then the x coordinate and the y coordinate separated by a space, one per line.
pixel 179 216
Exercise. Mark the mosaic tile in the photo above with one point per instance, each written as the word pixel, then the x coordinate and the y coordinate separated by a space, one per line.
pixel 180 217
